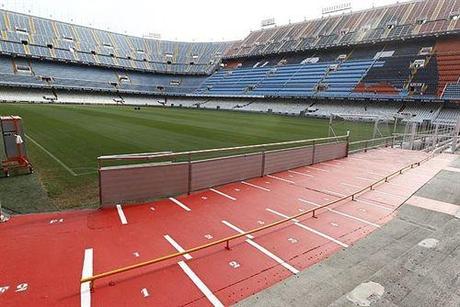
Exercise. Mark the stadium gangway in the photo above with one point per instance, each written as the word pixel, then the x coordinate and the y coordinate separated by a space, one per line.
pixel 227 240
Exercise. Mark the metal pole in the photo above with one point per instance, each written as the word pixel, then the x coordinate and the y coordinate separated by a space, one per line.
pixel 455 137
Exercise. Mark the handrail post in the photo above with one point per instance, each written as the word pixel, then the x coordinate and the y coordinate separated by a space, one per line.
pixel 348 143
pixel 365 146
pixel 262 172
pixel 189 183
pixel 313 152
pixel 314 214
pixel 227 245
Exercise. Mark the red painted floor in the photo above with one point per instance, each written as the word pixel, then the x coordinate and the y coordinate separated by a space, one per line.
pixel 43 254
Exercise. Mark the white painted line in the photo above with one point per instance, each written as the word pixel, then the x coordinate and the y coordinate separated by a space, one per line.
pixel 121 214
pixel 273 256
pixel 333 193
pixel 197 281
pixel 297 223
pixel 372 204
pixel 389 194
pixel 180 204
pixel 341 213
pixel 309 202
pixel 351 185
pixel 364 178
pixel 299 173
pixel 376 174
pixel 52 156
pixel 282 179
pixel 319 169
pixel 223 194
pixel 262 249
pixel 177 246
pixel 85 289
pixel 255 186
pixel 237 229
pixel 329 164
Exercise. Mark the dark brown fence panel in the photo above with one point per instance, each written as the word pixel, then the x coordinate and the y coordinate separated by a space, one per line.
pixel 142 182
pixel 326 152
pixel 214 172
pixel 285 159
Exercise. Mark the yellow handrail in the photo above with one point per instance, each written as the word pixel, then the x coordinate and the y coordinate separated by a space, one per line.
pixel 226 240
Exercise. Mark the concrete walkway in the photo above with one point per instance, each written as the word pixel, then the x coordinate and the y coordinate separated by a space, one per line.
pixel 414 260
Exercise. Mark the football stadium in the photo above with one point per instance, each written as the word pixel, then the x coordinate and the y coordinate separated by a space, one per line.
pixel 311 163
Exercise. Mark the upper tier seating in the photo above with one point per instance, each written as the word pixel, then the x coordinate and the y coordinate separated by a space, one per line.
pixel 398 21
pixel 43 38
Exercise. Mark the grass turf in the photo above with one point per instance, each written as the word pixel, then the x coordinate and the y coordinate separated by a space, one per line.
pixel 76 135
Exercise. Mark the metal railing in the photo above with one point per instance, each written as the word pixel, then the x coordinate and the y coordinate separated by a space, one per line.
pixel 190 154
pixel 227 240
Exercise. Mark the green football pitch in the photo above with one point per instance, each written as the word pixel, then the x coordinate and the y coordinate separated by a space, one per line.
pixel 64 141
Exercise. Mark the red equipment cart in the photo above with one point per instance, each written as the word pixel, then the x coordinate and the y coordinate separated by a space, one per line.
pixel 14 144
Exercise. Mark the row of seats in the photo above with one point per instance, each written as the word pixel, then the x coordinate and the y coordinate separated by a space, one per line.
pixel 36 73
pixel 44 38
pixel 401 20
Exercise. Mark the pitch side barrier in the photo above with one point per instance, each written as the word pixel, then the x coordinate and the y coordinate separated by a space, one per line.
pixel 226 241
pixel 149 176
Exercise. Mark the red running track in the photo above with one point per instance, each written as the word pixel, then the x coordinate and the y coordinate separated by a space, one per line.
pixel 44 256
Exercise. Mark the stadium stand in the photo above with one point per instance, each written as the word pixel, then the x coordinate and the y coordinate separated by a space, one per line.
pixel 399 21
pixel 30 36
pixel 401 59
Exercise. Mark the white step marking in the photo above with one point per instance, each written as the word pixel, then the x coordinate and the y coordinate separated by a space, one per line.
pixel 329 164
pixel 122 216
pixel 237 229
pixel 197 281
pixel 85 289
pixel 374 205
pixel 333 193
pixel 319 169
pixel 299 173
pixel 351 185
pixel 389 194
pixel 341 213
pixel 263 250
pixel 297 223
pixel 274 257
pixel 180 204
pixel 223 194
pixel 177 246
pixel 255 186
pixel 282 179
pixel 366 179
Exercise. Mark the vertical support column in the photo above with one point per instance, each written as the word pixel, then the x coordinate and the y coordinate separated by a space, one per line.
pixel 348 143
pixel 189 185
pixel 435 136
pixel 313 153
pixel 412 135
pixel 262 171
pixel 455 137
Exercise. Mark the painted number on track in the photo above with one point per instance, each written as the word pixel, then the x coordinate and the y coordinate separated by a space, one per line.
pixel 292 240
pixel 19 288
pixel 234 264
pixel 56 221
pixel 208 236
pixel 145 292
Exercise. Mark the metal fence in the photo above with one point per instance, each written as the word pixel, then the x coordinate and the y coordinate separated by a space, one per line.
pixel 168 174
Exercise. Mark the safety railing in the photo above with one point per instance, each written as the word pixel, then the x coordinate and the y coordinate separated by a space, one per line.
pixel 227 240
pixel 246 149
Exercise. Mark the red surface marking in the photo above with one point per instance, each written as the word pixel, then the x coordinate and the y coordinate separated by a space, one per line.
pixel 56 250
